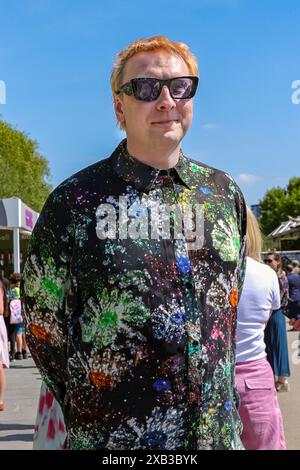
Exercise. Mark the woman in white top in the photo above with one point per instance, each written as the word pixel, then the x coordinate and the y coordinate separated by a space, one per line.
pixel 259 408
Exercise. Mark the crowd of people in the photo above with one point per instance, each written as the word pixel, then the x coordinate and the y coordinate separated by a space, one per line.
pixel 262 357
pixel 13 346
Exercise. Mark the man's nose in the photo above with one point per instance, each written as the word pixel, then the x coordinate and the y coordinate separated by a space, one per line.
pixel 165 100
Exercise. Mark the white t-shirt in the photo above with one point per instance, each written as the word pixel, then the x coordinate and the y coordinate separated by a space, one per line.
pixel 260 294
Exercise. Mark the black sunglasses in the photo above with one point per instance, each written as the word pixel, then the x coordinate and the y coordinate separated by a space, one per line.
pixel 268 260
pixel 149 89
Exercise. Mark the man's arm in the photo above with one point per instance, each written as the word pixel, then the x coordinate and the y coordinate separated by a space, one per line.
pixel 240 273
pixel 47 291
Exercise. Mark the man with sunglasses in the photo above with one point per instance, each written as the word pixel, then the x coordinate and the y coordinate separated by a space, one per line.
pixel 135 334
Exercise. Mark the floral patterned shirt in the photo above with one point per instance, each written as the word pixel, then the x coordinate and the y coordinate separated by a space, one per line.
pixel 135 336
pixel 284 289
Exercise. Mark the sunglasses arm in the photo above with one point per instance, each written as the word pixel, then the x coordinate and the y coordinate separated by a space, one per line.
pixel 126 88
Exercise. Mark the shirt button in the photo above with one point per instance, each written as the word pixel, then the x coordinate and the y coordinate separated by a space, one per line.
pixel 167 181
pixel 164 178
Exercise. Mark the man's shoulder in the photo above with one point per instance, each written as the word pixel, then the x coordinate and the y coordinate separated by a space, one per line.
pixel 217 176
pixel 196 165
pixel 293 276
pixel 86 176
pixel 74 190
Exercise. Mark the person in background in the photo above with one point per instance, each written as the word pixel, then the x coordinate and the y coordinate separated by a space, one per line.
pixel 293 306
pixel 296 266
pixel 275 332
pixel 294 322
pixel 16 333
pixel 288 269
pixel 4 357
pixel 259 408
pixel 5 281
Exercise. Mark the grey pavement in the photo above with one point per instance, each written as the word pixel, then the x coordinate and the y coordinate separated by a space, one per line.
pixel 21 399
pixel 22 393
pixel 290 401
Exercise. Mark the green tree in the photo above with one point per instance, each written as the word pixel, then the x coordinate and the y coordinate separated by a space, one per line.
pixel 278 204
pixel 293 200
pixel 23 171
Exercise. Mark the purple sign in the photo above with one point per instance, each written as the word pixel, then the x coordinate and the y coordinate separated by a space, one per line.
pixel 28 218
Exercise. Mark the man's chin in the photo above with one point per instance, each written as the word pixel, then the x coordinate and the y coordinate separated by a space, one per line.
pixel 167 135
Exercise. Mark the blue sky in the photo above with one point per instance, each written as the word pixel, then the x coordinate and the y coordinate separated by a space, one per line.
pixel 56 59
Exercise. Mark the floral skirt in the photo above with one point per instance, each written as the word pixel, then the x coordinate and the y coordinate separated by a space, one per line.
pixel 49 432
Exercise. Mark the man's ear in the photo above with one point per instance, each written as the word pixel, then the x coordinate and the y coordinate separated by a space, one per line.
pixel 118 106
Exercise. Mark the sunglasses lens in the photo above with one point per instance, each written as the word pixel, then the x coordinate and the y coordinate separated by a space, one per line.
pixel 146 89
pixel 182 88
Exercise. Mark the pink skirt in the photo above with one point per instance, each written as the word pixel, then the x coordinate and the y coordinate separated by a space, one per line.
pixel 259 409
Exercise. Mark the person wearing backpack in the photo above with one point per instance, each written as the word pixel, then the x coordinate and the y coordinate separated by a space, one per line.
pixel 16 320
pixel 4 359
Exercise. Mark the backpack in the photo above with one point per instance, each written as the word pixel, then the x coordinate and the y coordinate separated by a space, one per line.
pixel 15 311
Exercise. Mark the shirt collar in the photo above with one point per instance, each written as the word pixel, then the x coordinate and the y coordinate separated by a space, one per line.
pixel 142 176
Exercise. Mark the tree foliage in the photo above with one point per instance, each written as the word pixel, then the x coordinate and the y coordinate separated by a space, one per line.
pixel 278 204
pixel 23 171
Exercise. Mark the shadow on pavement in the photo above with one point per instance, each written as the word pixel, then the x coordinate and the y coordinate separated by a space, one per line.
pixel 22 367
pixel 15 427
pixel 17 437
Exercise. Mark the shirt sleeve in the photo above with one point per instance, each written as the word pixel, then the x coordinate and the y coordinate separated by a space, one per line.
pixel 48 291
pixel 240 275
pixel 241 266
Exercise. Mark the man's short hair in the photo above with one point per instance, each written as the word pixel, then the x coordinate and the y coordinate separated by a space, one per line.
pixel 148 45
pixel 295 263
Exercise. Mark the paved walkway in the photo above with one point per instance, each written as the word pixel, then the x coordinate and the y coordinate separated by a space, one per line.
pixel 22 392
pixel 290 402
pixel 21 399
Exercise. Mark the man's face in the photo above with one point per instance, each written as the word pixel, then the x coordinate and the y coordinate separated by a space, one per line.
pixel 272 262
pixel 161 123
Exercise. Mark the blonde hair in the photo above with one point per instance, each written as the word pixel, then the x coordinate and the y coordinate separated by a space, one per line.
pixel 254 236
pixel 148 45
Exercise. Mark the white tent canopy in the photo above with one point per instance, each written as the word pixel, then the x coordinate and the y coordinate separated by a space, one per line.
pixel 16 216
pixel 289 227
